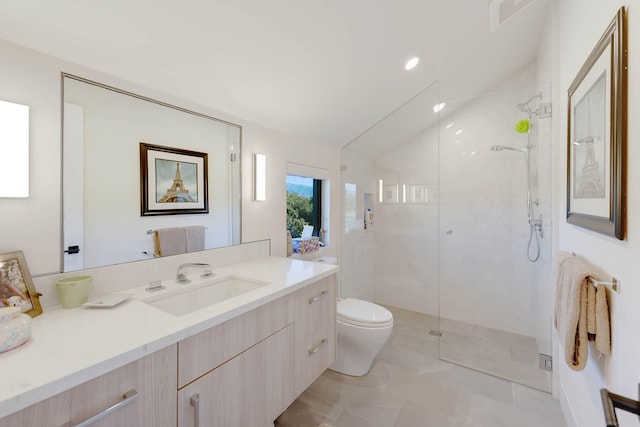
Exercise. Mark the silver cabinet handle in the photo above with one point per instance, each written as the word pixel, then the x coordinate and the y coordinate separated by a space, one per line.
pixel 128 398
pixel 319 297
pixel 195 402
pixel 318 347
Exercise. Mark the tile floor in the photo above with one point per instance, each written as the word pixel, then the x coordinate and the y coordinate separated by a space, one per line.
pixel 409 385
pixel 506 355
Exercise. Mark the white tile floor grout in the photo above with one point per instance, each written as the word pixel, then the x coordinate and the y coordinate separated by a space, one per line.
pixel 409 385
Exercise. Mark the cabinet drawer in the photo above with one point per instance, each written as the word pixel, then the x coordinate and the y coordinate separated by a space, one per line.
pixel 207 350
pixel 315 304
pixel 251 389
pixel 152 378
pixel 314 353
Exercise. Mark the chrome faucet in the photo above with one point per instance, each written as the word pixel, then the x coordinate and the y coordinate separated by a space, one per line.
pixel 182 278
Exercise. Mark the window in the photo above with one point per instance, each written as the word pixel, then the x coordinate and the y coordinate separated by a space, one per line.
pixel 304 205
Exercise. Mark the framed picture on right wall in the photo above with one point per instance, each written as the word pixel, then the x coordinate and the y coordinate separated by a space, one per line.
pixel 597 136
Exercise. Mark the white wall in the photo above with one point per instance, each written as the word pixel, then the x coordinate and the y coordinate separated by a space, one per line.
pixel 33 224
pixel 580 24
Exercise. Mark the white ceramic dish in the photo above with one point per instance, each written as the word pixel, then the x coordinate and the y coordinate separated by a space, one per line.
pixel 107 301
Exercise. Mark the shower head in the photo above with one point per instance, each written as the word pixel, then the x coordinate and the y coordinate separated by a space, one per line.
pixel 524 107
pixel 506 147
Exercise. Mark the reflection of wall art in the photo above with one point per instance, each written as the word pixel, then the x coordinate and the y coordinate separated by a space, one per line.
pixel 596 164
pixel 418 194
pixel 16 287
pixel 390 194
pixel 421 194
pixel 172 181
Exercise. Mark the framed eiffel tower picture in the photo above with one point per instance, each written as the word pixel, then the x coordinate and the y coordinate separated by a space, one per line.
pixel 172 181
pixel 597 136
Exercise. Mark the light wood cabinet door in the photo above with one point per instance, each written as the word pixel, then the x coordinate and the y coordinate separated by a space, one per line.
pixel 314 354
pixel 207 350
pixel 251 389
pixel 52 412
pixel 315 305
pixel 153 380
pixel 315 322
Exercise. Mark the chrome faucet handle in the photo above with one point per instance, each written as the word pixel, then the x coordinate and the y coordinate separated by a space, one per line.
pixel 208 273
pixel 182 278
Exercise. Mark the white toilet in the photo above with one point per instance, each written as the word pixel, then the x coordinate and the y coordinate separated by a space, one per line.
pixel 363 328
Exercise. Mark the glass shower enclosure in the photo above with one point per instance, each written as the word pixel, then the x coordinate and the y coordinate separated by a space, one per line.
pixel 446 207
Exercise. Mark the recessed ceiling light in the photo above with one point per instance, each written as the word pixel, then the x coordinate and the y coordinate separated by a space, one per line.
pixel 438 107
pixel 411 64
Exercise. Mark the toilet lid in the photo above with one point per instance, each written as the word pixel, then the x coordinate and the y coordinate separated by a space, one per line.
pixel 363 311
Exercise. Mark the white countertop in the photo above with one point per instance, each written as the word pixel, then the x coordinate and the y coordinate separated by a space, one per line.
pixel 71 346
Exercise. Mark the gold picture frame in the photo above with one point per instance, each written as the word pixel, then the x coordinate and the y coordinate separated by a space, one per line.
pixel 597 136
pixel 16 286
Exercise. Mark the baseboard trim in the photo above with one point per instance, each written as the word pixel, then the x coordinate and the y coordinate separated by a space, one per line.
pixel 566 409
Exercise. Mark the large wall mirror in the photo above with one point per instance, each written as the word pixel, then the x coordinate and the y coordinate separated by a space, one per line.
pixel 103 129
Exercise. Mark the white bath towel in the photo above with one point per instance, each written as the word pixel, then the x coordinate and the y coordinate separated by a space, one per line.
pixel 195 238
pixel 571 283
pixel 603 324
pixel 170 241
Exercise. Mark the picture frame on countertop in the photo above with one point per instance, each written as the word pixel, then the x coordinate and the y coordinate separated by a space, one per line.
pixel 16 285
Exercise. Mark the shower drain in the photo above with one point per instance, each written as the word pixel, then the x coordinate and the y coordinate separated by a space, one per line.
pixel 435 333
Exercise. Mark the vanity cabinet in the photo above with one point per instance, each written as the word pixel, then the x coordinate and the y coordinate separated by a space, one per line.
pixel 149 382
pixel 248 370
pixel 315 331
pixel 244 371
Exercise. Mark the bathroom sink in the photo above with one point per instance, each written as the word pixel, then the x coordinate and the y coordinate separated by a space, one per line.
pixel 196 297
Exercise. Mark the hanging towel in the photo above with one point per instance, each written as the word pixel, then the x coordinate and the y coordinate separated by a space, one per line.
pixel 170 241
pixel 195 238
pixel 571 309
pixel 603 331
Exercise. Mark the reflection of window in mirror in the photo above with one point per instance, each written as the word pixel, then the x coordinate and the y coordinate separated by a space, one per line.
pixel 308 203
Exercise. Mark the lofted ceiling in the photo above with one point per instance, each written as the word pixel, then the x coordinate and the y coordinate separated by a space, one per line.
pixel 324 71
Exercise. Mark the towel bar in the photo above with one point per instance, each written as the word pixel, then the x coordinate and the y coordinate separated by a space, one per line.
pixel 153 231
pixel 610 401
pixel 613 283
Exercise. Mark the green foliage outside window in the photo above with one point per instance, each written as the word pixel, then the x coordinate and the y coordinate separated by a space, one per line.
pixel 299 211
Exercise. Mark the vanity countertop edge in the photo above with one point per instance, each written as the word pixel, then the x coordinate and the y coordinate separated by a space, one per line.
pixel 69 347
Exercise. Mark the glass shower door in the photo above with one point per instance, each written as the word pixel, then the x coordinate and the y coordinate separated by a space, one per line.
pixel 493 296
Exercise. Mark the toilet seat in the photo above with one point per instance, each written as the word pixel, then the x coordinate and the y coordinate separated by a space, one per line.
pixel 363 313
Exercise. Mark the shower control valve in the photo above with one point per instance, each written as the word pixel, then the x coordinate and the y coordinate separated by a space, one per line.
pixel 537 223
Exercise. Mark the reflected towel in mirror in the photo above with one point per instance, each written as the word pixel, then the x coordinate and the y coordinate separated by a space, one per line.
pixel 195 238
pixel 170 241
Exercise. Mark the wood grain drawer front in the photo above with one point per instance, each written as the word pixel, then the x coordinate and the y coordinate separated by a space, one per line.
pixel 251 389
pixel 153 404
pixel 315 304
pixel 207 350
pixel 314 354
